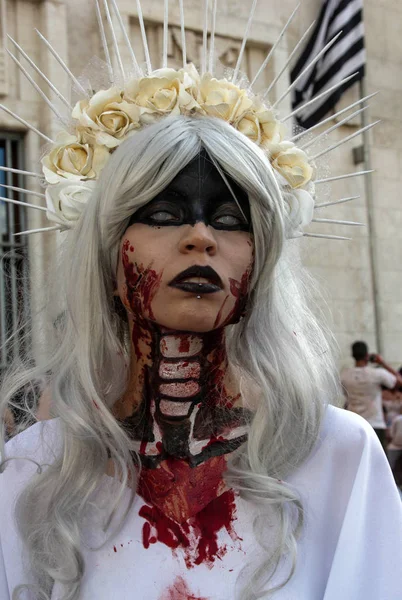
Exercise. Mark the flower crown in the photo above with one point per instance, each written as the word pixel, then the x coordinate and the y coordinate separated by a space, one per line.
pixel 102 120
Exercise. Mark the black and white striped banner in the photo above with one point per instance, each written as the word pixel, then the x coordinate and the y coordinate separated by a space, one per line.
pixel 345 57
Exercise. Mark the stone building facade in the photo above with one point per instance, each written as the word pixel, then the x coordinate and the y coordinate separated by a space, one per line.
pixel 357 276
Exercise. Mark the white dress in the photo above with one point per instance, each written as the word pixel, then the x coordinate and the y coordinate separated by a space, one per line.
pixel 350 549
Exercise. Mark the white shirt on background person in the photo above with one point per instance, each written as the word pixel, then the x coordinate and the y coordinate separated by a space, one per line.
pixel 364 394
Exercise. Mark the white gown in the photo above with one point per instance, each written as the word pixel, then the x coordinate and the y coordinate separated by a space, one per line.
pixel 350 549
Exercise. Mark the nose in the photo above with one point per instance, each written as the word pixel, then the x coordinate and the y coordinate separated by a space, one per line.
pixel 198 238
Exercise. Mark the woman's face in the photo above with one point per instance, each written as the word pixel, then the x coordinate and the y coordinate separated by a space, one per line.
pixel 186 258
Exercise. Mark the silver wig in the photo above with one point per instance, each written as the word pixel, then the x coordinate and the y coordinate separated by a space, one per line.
pixel 283 357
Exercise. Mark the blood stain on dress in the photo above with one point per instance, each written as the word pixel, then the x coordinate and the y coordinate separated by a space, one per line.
pixel 179 590
pixel 198 536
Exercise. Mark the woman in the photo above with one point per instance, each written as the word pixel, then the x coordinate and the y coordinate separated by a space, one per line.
pixel 192 452
pixel 187 330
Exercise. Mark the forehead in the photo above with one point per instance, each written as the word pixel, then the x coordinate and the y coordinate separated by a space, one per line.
pixel 201 180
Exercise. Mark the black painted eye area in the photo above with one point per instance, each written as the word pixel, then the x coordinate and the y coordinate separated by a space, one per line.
pixel 198 194
pixel 162 217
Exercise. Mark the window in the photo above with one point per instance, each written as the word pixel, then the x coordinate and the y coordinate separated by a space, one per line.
pixel 13 251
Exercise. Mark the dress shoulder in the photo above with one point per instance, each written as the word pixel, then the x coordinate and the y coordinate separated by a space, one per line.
pixel 348 428
pixel 30 450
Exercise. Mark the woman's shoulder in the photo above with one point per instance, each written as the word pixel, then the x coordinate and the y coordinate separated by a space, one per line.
pixel 344 441
pixel 30 451
pixel 348 438
pixel 346 428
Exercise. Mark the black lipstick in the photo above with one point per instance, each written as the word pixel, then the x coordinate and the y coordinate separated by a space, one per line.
pixel 212 285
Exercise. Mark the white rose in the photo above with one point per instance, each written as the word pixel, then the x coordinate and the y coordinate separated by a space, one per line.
pixel 189 76
pixel 109 118
pixel 220 98
pixel 261 127
pixel 72 159
pixel 65 201
pixel 292 163
pixel 300 207
pixel 160 94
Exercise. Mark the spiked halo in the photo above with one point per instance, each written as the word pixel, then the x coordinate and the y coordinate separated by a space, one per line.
pixel 95 133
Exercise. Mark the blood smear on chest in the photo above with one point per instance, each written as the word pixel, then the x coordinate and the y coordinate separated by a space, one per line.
pixel 179 590
pixel 197 537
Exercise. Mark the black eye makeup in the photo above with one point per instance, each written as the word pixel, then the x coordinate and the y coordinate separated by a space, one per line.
pixel 198 194
pixel 226 216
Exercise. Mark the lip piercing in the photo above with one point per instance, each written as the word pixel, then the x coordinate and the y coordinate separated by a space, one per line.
pixel 198 297
pixel 200 285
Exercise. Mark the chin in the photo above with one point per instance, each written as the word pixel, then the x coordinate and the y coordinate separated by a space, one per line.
pixel 199 319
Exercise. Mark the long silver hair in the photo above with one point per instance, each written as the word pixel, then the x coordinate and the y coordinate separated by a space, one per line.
pixel 279 349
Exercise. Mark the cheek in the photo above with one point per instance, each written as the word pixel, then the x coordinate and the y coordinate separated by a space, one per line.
pixel 137 284
pixel 234 304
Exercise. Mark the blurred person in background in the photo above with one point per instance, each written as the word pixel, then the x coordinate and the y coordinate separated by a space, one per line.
pixel 394 450
pixel 362 386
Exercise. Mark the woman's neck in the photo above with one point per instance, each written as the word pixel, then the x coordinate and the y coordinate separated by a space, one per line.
pixel 182 401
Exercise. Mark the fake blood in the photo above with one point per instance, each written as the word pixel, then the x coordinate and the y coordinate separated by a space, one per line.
pixel 179 591
pixel 198 537
pixel 142 283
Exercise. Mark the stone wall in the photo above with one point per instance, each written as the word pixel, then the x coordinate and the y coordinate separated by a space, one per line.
pixel 343 269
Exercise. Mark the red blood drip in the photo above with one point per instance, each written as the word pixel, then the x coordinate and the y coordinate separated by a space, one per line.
pixel 148 288
pixel 142 284
pixel 114 548
pixel 168 532
pixel 198 537
pixel 184 345
pixel 131 275
pixel 179 591
pixel 219 315
pixel 146 534
pixel 239 290
pixel 180 491
pixel 214 440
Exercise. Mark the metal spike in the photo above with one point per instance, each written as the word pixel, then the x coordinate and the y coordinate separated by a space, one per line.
pixel 212 38
pixel 328 237
pixel 333 202
pixel 40 73
pixel 28 125
pixel 104 41
pixel 126 38
pixel 271 52
pixel 22 190
pixel 332 117
pixel 20 172
pixel 327 179
pixel 61 63
pixel 114 38
pixel 325 93
pixel 243 44
pixel 183 33
pixel 289 59
pixel 144 37
pixel 311 64
pixel 29 231
pixel 354 223
pixel 205 39
pixel 165 33
pixel 346 139
pixel 330 129
pixel 37 88
pixel 20 203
